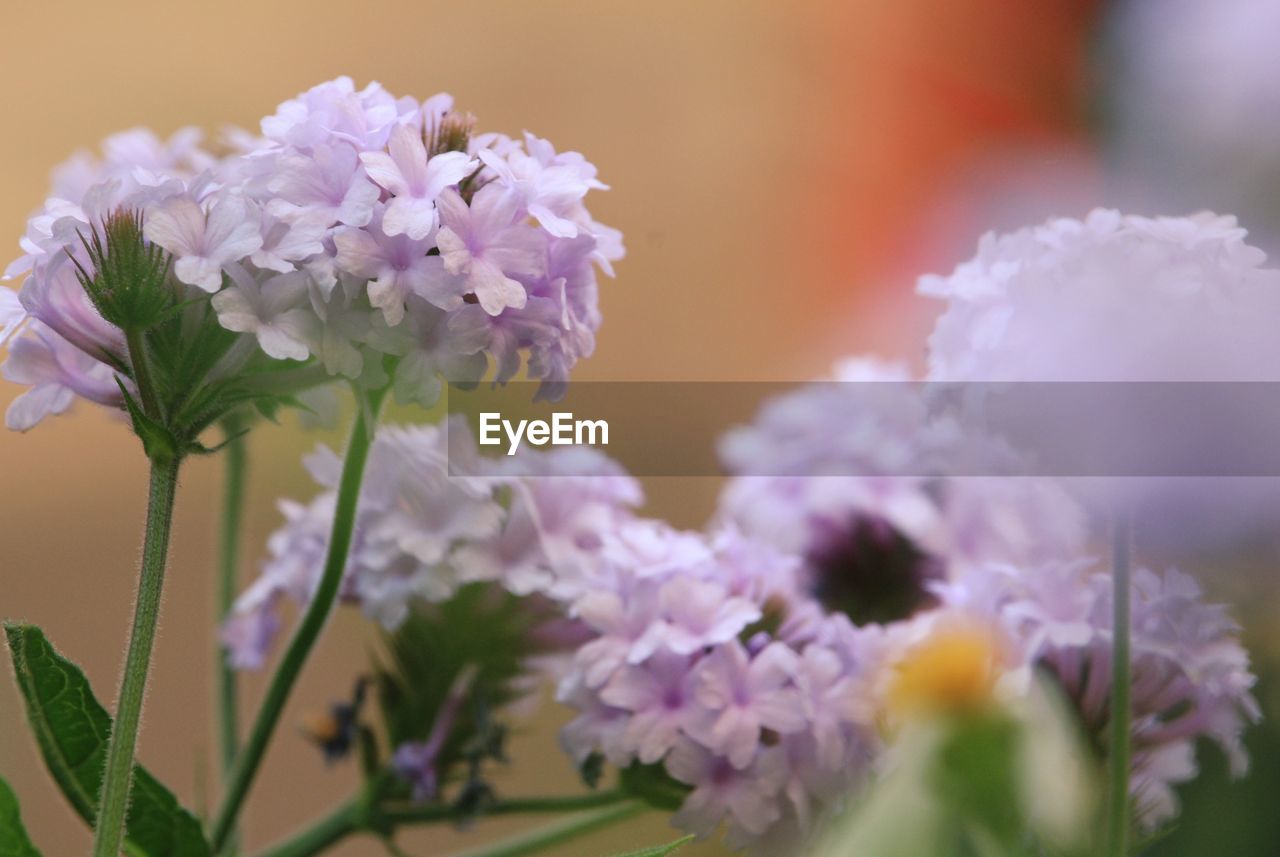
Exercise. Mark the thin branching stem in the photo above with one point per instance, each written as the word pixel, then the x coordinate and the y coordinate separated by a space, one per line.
pixel 308 631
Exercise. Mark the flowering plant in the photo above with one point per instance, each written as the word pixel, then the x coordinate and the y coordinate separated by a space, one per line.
pixel 830 650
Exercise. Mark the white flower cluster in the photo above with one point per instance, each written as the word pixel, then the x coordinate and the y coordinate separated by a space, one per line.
pixel 421 530
pixel 1111 298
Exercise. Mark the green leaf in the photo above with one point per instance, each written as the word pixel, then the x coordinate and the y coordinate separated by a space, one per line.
pixel 653 785
pixel 157 442
pixel 72 729
pixel 976 774
pixel 660 850
pixel 14 841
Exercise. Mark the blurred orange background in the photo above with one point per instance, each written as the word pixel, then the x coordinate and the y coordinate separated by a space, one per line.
pixel 776 168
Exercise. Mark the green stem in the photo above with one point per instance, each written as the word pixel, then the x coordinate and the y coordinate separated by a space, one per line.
pixel 542 838
pixel 313 621
pixel 228 564
pixel 114 802
pixel 1121 681
pixel 140 362
pixel 357 815
pixel 332 829
pixel 416 814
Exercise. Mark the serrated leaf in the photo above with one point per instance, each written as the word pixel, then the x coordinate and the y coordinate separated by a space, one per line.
pixel 14 841
pixel 72 730
pixel 660 850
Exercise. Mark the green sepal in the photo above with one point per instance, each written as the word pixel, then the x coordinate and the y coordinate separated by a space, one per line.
pixel 653 785
pixel 72 730
pixel 14 841
pixel 660 850
pixel 157 442
pixel 592 770
pixel 195 447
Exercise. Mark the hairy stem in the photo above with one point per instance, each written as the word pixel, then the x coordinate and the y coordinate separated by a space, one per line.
pixel 1121 680
pixel 313 622
pixel 140 363
pixel 118 775
pixel 235 466
pixel 357 816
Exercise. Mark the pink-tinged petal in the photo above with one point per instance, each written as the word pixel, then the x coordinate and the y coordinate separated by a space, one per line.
pixel 561 227
pixel 506 354
pixel 519 250
pixel 384 171
pixel 416 380
pixel 690 763
pixel 633 689
pixel 493 209
pixel 445 170
pixel 603 611
pixel 283 292
pixel 454 251
pixel 31 407
pixel 233 229
pixel 358 253
pixel 498 164
pixel 235 311
pixel 177 225
pixel 781 712
pixel 358 203
pixel 775 665
pixel 198 271
pixel 494 289
pixel 432 282
pixel 454 212
pixel 388 293
pixel 411 216
pixel 280 345
pixel 12 314
pixel 469 330
pixel 736 734
pixel 410 156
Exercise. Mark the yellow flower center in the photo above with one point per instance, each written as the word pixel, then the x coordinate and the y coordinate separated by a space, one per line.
pixel 954 670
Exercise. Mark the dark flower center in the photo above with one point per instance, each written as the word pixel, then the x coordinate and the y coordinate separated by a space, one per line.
pixel 872 573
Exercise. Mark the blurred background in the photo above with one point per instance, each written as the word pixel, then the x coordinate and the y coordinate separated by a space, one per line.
pixel 782 173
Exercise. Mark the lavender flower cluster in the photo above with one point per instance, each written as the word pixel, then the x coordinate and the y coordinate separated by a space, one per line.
pixel 358 226
pixel 752 662
pixel 423 529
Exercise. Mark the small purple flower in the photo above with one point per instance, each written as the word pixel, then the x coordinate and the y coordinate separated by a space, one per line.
pixel 395 266
pixel 483 244
pixel 203 242
pixel 721 790
pixel 660 697
pixel 693 614
pixel 328 184
pixel 547 185
pixel 740 695
pixel 276 311
pixel 56 371
pixel 414 181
